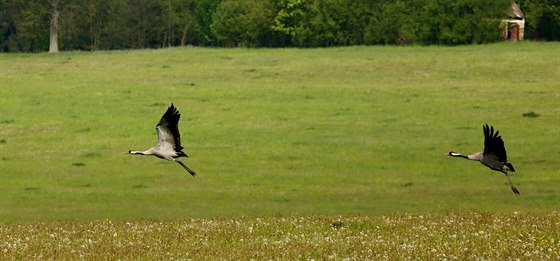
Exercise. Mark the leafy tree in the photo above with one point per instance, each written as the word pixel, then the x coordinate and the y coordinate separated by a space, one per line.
pixel 328 23
pixel 290 18
pixel 455 22
pixel 398 24
pixel 185 11
pixel 242 22
pixel 26 26
pixel 123 24
pixel 146 23
pixel 114 32
pixel 73 29
pixel 7 24
pixel 102 24
pixel 542 19
pixel 204 13
pixel 549 22
pixel 362 19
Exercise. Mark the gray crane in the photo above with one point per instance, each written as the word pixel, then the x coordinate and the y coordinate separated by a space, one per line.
pixel 494 155
pixel 169 140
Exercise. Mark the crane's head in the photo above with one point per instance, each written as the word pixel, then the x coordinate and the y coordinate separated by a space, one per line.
pixel 135 152
pixel 456 154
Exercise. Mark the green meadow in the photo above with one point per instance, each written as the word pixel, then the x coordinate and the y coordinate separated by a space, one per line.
pixel 353 131
pixel 465 236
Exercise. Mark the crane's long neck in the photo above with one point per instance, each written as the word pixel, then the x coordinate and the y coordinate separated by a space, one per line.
pixel 137 152
pixel 477 156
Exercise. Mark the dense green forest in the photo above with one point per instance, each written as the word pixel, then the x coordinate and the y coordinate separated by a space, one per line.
pixel 27 25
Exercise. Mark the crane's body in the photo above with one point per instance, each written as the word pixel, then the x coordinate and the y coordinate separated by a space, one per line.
pixel 494 155
pixel 169 139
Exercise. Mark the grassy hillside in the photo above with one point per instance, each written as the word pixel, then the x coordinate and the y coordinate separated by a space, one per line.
pixel 278 132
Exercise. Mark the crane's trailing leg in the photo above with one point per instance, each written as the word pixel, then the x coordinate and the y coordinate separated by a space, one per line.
pixel 513 188
pixel 187 168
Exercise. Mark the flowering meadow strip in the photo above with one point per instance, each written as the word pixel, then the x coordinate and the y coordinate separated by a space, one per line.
pixel 433 236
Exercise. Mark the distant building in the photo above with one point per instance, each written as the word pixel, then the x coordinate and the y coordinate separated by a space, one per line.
pixel 514 27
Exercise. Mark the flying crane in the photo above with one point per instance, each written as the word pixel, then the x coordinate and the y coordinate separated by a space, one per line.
pixel 169 139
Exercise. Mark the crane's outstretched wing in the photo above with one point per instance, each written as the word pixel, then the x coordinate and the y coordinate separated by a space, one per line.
pixel 168 129
pixel 493 144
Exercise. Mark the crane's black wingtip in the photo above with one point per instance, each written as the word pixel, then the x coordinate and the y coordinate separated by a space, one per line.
pixel 489 131
pixel 172 112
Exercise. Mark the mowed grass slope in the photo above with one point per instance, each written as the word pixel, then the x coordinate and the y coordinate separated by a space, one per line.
pixel 278 132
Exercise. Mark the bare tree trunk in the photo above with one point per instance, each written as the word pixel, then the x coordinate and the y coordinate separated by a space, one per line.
pixel 184 37
pixel 53 47
pixel 95 33
pixel 164 40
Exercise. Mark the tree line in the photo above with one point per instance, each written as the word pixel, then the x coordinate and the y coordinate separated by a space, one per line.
pixel 30 25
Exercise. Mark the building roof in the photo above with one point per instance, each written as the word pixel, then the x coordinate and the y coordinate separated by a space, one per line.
pixel 515 11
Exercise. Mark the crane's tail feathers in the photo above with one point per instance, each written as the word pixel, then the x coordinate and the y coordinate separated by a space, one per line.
pixel 510 167
pixel 182 154
pixel 187 168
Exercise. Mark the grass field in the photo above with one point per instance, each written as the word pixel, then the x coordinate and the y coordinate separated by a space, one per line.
pixel 399 237
pixel 357 130
pixel 278 133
